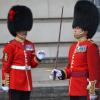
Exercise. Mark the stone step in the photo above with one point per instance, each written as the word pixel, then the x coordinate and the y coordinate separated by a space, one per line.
pixel 45 93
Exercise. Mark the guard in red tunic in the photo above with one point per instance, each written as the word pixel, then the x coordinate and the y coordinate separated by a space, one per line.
pixel 83 67
pixel 19 55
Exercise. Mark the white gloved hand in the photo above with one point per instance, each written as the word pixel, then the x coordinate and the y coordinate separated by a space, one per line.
pixel 5 88
pixel 91 88
pixel 40 54
pixel 93 97
pixel 58 73
pixel 89 85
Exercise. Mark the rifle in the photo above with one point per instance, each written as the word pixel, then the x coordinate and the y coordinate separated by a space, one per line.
pixel 54 76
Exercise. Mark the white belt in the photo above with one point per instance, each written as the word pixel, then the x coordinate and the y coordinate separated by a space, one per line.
pixel 21 67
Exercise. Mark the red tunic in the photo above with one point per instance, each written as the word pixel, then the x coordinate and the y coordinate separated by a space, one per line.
pixel 19 54
pixel 83 59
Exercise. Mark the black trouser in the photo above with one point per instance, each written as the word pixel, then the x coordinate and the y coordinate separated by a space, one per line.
pixel 78 97
pixel 98 95
pixel 19 95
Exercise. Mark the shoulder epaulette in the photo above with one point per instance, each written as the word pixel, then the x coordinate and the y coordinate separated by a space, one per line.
pixel 9 41
pixel 91 41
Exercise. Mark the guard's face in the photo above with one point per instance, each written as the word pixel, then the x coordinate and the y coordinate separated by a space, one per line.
pixel 79 33
pixel 22 34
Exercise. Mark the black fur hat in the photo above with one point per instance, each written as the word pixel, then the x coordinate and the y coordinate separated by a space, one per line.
pixel 20 18
pixel 86 16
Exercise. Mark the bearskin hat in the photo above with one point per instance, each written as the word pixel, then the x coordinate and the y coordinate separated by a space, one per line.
pixel 86 16
pixel 20 18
